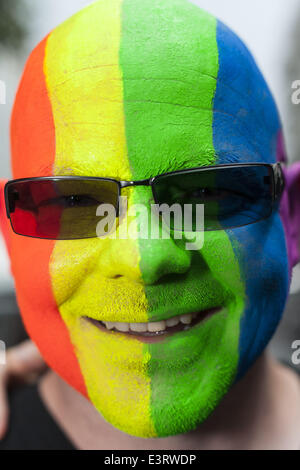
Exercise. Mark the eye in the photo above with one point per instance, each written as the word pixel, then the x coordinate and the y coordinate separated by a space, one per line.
pixel 74 200
pixel 80 201
pixel 209 194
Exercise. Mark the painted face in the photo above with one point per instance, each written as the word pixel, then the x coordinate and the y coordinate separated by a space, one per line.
pixel 128 90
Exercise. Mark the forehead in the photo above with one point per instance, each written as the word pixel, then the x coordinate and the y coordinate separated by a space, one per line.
pixel 145 93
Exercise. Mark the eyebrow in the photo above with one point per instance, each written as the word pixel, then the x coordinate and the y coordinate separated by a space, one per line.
pixel 74 170
pixel 94 171
pixel 45 169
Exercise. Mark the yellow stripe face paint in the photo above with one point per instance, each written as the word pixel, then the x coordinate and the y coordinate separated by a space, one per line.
pixel 86 92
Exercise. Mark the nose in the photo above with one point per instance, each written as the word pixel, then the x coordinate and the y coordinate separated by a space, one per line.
pixel 141 257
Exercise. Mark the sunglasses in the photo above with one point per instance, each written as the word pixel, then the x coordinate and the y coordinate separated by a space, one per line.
pixel 65 207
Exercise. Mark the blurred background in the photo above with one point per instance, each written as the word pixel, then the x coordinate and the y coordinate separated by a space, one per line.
pixel 270 28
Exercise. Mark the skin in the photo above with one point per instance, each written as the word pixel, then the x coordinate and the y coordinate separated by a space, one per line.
pixel 259 412
pixel 124 111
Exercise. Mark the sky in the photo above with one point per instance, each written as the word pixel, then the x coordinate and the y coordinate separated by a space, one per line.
pixel 264 25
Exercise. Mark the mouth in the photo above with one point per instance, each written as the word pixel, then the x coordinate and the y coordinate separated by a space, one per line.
pixel 153 332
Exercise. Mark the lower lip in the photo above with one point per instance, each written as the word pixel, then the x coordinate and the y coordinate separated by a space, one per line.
pixel 159 336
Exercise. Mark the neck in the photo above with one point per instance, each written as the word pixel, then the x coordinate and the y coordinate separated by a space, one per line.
pixel 241 409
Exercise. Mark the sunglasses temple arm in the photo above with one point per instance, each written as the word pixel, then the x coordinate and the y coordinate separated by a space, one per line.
pixel 279 181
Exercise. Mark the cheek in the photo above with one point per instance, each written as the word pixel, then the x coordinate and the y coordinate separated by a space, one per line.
pixel 30 266
pixel 265 272
pixel 99 278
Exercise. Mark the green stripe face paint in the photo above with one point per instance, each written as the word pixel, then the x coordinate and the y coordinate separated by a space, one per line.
pixel 169 61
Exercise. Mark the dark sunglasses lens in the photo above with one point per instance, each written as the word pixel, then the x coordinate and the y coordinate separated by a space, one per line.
pixel 60 209
pixel 231 197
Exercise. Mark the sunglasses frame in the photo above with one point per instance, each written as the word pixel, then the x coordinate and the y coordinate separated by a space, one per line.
pixel 277 185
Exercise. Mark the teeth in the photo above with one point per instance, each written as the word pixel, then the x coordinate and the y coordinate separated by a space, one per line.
pixel 156 326
pixel 138 327
pixel 173 321
pixel 152 327
pixel 124 327
pixel 186 319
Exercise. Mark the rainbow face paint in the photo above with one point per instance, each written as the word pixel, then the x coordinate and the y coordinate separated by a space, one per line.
pixel 129 89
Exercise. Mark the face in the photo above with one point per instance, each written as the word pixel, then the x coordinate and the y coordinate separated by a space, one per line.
pixel 156 87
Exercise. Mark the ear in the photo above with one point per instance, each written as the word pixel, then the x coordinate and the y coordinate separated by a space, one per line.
pixel 290 211
pixel 4 221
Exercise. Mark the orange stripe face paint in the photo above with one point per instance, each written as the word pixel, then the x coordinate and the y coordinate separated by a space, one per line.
pixel 33 154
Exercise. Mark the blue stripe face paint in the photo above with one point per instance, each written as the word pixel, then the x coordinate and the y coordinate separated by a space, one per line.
pixel 245 130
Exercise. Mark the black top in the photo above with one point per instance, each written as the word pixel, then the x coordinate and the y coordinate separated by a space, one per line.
pixel 31 427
